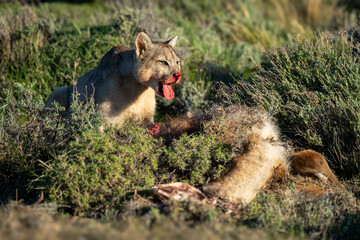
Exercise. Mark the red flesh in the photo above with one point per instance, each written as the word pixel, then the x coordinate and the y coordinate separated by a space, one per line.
pixel 155 130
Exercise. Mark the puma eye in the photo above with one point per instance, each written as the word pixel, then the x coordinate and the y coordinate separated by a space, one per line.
pixel 177 62
pixel 164 63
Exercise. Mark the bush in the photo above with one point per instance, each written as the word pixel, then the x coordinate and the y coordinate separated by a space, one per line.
pixel 97 169
pixel 29 137
pixel 312 89
pixel 197 159
pixel 24 138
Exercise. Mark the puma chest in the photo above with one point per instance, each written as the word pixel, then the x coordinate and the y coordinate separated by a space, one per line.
pixel 122 107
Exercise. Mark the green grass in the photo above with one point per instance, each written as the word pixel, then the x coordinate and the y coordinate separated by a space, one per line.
pixel 267 53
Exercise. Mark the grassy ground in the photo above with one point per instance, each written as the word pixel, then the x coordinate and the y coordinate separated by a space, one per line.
pixel 292 58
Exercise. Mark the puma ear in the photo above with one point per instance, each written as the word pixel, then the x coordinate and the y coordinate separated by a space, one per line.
pixel 172 41
pixel 142 43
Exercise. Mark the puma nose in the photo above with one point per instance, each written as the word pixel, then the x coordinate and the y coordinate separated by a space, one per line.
pixel 177 77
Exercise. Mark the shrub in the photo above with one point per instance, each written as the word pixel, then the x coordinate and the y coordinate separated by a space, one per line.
pixel 97 169
pixel 196 159
pixel 29 137
pixel 24 138
pixel 312 89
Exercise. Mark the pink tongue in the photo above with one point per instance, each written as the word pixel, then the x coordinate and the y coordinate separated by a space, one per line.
pixel 168 92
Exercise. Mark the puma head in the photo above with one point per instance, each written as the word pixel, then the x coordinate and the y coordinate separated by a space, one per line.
pixel 157 64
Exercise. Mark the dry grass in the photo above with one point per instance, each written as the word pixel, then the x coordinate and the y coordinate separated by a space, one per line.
pixel 22 33
pixel 285 19
pixel 23 222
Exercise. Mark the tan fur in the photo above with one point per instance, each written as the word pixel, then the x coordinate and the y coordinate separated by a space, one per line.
pixel 249 132
pixel 313 163
pixel 256 144
pixel 264 153
pixel 125 81
pixel 310 191
pixel 249 174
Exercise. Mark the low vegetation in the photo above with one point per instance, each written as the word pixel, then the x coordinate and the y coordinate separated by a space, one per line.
pixel 295 59
pixel 312 90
